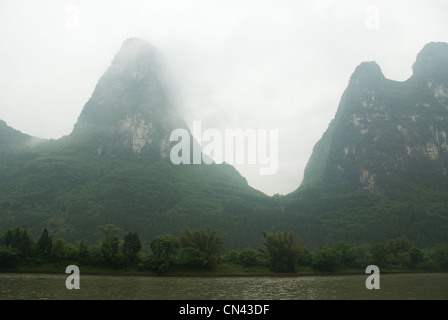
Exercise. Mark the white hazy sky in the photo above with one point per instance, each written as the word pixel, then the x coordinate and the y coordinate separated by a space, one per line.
pixel 248 64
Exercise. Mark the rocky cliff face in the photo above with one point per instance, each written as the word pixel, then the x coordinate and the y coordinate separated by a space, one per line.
pixel 130 107
pixel 387 136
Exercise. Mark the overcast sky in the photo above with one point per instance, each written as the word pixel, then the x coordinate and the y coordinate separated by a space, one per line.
pixel 248 64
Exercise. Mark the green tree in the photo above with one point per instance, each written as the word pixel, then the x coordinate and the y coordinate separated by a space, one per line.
pixel 164 249
pixel 192 257
pixel 282 250
pixel 165 246
pixel 71 252
pixel 360 256
pixel 441 256
pixel 400 253
pixel 416 257
pixel 7 238
pixel 231 256
pixel 131 247
pixel 399 245
pixel 380 255
pixel 109 242
pixel 157 264
pixel 306 258
pixel 326 259
pixel 210 243
pixel 44 245
pixel 83 256
pixel 8 258
pixel 20 241
pixel 248 257
pixel 58 250
pixel 343 252
pixel 26 246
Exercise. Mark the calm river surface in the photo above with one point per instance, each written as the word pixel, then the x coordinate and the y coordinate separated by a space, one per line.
pixel 392 287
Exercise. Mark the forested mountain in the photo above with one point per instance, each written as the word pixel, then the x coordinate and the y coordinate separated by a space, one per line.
pixel 378 172
pixel 131 109
pixel 380 169
pixel 114 168
pixel 388 136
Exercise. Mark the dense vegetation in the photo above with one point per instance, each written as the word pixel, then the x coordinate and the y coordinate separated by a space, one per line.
pixel 69 191
pixel 60 186
pixel 204 249
pixel 370 178
pixel 379 171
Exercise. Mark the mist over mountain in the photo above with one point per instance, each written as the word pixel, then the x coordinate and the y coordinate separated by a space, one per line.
pixel 131 107
pixel 380 169
pixel 115 166
pixel 387 136
pixel 378 172
pixel 12 139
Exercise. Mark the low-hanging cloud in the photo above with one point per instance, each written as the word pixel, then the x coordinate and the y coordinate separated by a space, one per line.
pixel 251 64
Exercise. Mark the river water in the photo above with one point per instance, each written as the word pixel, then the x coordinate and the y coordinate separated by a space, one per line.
pixel 20 286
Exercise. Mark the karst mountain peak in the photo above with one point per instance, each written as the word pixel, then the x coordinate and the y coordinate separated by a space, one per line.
pixel 131 105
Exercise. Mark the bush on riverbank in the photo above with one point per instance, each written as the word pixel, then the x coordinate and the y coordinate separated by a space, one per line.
pixel 203 252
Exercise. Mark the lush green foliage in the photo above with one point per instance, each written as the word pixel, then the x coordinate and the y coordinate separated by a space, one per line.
pixel 109 242
pixel 209 243
pixel 164 248
pixel 379 171
pixel 91 177
pixel 282 250
pixel 70 192
pixel 44 245
pixel 198 250
pixel 131 247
